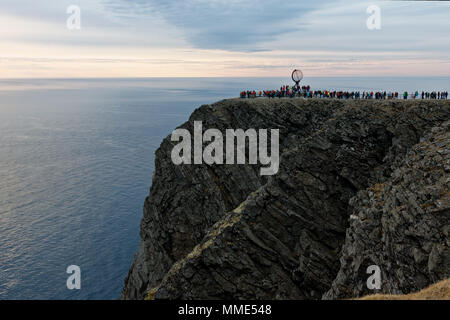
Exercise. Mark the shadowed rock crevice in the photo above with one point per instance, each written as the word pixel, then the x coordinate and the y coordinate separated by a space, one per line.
pixel 222 232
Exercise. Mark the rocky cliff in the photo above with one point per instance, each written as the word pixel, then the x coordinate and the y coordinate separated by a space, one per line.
pixel 360 183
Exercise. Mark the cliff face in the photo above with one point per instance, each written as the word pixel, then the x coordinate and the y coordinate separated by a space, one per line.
pixel 402 225
pixel 360 183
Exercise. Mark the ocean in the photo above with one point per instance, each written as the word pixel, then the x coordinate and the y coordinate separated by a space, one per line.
pixel 76 162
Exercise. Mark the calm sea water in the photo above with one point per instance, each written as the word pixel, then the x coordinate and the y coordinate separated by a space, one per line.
pixel 76 161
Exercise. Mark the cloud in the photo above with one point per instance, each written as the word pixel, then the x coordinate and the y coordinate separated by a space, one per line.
pixel 223 24
pixel 223 38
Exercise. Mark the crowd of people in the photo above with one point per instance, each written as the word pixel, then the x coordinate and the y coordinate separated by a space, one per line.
pixel 306 92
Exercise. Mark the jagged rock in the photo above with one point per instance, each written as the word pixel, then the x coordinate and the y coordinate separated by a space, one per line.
pixel 226 232
pixel 402 225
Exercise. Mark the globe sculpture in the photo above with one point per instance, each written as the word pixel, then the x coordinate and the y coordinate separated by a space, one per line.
pixel 297 76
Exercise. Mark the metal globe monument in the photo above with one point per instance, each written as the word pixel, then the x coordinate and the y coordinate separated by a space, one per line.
pixel 297 76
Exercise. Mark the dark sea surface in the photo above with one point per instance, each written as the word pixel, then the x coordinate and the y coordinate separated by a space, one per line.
pixel 76 161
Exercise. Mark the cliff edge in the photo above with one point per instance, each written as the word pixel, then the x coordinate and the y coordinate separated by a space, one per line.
pixel 360 183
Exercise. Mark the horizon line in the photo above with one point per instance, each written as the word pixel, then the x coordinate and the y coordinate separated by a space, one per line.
pixel 218 77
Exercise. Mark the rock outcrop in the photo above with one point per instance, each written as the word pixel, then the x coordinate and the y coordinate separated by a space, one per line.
pixel 354 189
pixel 402 225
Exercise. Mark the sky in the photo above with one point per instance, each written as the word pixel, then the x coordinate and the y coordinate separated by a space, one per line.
pixel 222 38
